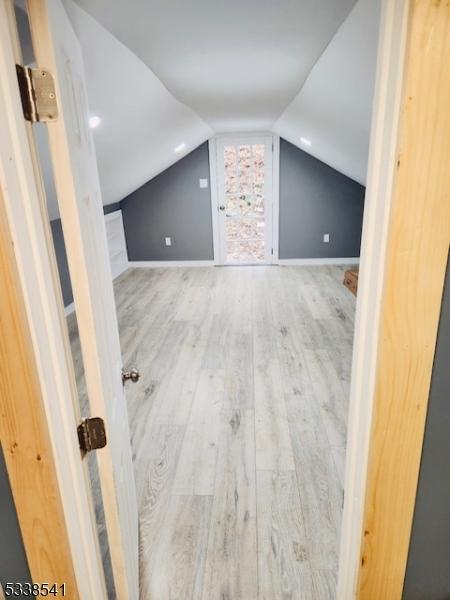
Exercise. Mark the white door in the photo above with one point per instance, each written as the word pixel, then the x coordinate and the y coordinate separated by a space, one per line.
pixel 75 170
pixel 244 178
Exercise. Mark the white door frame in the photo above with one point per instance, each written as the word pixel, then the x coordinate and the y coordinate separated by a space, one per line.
pixel 273 217
pixel 78 193
pixel 25 204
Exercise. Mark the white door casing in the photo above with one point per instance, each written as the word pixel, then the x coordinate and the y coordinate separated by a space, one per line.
pixel 240 202
pixel 22 190
pixel 79 198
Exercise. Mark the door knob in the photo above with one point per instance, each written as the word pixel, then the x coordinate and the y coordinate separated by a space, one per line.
pixel 222 207
pixel 132 375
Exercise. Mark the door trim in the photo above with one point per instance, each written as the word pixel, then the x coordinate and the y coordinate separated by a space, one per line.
pixel 275 199
pixel 406 238
pixel 214 179
pixel 29 229
pixel 212 147
pixel 78 193
pixel 25 436
pixel 414 274
pixel 381 164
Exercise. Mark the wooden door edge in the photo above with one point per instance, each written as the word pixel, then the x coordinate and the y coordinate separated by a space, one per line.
pixel 47 18
pixel 383 146
pixel 28 227
pixel 414 275
pixel 25 437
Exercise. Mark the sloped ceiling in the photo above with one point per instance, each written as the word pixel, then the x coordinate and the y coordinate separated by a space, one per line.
pixel 161 73
pixel 302 68
pixel 141 123
pixel 333 109
pixel 236 63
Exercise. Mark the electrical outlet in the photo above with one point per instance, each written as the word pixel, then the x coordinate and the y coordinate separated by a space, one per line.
pixel 203 183
pixel 168 241
pixel 326 238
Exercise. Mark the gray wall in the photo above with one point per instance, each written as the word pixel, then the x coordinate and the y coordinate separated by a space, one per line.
pixel 428 569
pixel 110 208
pixel 13 561
pixel 61 257
pixel 315 199
pixel 171 205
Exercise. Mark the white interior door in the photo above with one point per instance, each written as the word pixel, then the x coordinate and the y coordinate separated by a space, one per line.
pixel 75 170
pixel 244 178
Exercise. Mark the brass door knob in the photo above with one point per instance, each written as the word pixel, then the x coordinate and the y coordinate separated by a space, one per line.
pixel 132 375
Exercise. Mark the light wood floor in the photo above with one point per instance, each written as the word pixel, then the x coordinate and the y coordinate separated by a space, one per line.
pixel 238 428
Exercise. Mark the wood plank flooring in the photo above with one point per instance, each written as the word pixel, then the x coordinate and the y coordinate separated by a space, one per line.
pixel 238 427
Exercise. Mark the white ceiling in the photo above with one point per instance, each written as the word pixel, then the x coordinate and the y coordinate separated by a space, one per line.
pixel 333 109
pixel 184 70
pixel 236 63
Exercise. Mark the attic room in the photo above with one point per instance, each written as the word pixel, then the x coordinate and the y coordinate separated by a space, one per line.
pixel 207 211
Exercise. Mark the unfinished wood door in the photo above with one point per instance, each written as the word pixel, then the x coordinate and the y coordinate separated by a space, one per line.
pixel 76 178
pixel 244 177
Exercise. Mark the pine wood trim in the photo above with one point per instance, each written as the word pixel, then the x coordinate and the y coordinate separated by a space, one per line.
pixel 24 434
pixel 417 251
pixel 25 206
pixel 383 146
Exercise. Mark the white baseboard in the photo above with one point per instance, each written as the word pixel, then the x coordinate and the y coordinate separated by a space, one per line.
pixel 171 263
pixel 318 261
pixel 69 308
pixel 210 263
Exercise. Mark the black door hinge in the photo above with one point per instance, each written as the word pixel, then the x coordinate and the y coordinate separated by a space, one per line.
pixel 91 434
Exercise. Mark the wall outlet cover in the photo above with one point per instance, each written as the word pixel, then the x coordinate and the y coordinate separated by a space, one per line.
pixel 203 183
pixel 168 241
pixel 326 238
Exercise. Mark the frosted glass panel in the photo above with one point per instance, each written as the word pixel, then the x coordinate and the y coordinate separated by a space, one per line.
pixel 244 166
